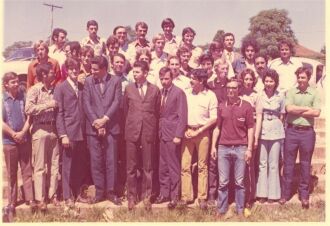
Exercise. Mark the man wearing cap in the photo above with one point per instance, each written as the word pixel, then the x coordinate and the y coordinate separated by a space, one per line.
pixel 202 114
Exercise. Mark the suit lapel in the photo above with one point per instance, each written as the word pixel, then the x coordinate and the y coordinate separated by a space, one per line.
pixel 96 87
pixel 70 88
pixel 148 91
pixel 107 82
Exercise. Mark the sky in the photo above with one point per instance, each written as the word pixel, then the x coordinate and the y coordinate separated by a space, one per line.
pixel 29 20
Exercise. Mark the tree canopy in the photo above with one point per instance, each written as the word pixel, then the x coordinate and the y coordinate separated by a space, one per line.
pixel 16 45
pixel 268 27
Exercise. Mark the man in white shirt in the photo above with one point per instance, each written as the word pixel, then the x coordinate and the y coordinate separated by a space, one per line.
pixel 93 40
pixel 172 41
pixel 179 80
pixel 228 43
pixel 56 50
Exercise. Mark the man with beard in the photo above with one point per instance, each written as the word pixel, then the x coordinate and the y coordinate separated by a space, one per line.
pixel 93 40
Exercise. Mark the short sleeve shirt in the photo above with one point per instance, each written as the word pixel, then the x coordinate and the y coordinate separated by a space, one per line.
pixel 308 98
pixel 234 122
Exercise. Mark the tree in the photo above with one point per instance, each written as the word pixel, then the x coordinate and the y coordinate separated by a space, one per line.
pixel 131 35
pixel 17 45
pixel 268 28
pixel 218 37
pixel 323 50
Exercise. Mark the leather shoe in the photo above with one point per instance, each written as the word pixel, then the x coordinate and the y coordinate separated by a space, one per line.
pixel 147 204
pixel 160 199
pixel 114 199
pixel 282 201
pixel 54 200
pixel 131 204
pixel 69 203
pixel 172 204
pixel 33 206
pixel 202 204
pixel 305 203
pixel 262 200
pixel 43 206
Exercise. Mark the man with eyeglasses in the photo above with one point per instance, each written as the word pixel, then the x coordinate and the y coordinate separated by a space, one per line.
pixel 235 127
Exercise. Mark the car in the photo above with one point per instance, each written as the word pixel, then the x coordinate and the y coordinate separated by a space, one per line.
pixel 18 62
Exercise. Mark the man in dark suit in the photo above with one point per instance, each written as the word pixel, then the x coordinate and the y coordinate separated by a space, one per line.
pixel 70 125
pixel 101 100
pixel 172 125
pixel 141 107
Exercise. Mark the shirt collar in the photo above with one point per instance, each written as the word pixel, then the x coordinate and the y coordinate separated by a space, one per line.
pixel 137 43
pixel 307 91
pixel 238 103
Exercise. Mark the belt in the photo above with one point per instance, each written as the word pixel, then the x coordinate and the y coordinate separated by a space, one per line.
pixel 296 127
pixel 194 127
pixel 47 123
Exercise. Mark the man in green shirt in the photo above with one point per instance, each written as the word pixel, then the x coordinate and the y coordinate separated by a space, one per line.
pixel 302 106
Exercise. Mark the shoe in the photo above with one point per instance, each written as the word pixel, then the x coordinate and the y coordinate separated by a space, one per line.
pixel 33 206
pixel 69 203
pixel 131 204
pixel 172 204
pixel 161 199
pixel 82 199
pixel 202 204
pixel 147 204
pixel 43 206
pixel 271 201
pixel 262 200
pixel 54 200
pixel 114 199
pixel 305 204
pixel 282 201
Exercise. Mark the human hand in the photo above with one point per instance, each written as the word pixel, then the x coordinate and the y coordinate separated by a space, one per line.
pixel 65 142
pixel 176 140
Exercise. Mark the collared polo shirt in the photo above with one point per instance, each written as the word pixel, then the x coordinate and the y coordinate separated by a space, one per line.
pixel 202 107
pixel 219 88
pixel 57 54
pixel 172 46
pixel 308 98
pixel 182 82
pixel 234 122
pixel 99 45
pixel 13 114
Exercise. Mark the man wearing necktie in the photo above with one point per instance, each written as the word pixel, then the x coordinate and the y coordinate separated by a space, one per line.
pixel 228 52
pixel 172 125
pixel 141 107
pixel 101 100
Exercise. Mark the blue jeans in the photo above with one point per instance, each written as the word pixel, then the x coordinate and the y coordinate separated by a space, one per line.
pixel 228 156
pixel 304 141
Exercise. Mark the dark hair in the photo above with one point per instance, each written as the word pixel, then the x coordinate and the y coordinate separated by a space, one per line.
pixel 56 32
pixel 112 40
pixel 101 61
pixel 261 55
pixel 249 42
pixel 205 57
pixel 181 50
pixel 188 30
pixel 122 56
pixel 173 57
pixel 143 52
pixel 40 43
pixel 92 23
pixel 9 76
pixel 141 64
pixel 167 21
pixel 41 69
pixel 116 28
pixel 305 70
pixel 87 49
pixel 245 72
pixel 215 45
pixel 72 62
pixel 228 34
pixel 74 45
pixel 165 70
pixel 286 42
pixel 271 74
pixel 141 24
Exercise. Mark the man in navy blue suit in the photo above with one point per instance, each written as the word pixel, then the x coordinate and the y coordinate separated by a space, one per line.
pixel 101 100
pixel 172 125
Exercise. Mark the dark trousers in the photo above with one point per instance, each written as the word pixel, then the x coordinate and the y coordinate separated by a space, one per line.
pixel 250 180
pixel 121 173
pixel 75 168
pixel 103 156
pixel 213 179
pixel 304 141
pixel 14 154
pixel 169 169
pixel 142 150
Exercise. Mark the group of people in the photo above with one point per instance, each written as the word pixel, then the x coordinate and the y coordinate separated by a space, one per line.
pixel 142 119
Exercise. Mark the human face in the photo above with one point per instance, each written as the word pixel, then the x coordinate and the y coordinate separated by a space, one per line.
pixel 216 53
pixel 73 73
pixel 249 53
pixel 168 29
pixel 285 52
pixel 185 57
pixel 302 80
pixel 139 75
pixel 232 90
pixel 121 34
pixel 41 52
pixel 207 64
pixel 60 40
pixel 195 83
pixel 92 31
pixel 260 64
pixel 222 70
pixel 12 85
pixel 229 42
pixel 113 49
pixel 67 51
pixel 166 80
pixel 49 78
pixel 96 71
pixel 118 65
pixel 248 81
pixel 159 45
pixel 188 38
pixel 141 32
pixel 269 84
pixel 145 58
pixel 174 65
pixel 86 59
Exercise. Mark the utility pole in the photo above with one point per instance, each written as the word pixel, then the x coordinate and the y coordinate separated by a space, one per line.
pixel 51 22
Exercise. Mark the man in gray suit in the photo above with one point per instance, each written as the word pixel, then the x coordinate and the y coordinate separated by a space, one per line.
pixel 172 125
pixel 70 125
pixel 101 100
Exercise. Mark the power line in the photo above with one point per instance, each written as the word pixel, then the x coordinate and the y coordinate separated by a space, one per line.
pixel 52 6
